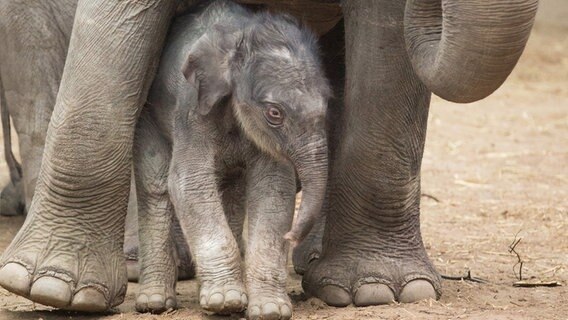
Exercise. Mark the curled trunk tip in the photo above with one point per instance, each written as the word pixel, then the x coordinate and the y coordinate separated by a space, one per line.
pixel 464 50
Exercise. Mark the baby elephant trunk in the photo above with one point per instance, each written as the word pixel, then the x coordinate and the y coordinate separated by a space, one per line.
pixel 311 163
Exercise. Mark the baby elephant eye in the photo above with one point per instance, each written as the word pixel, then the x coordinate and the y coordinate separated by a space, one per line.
pixel 274 115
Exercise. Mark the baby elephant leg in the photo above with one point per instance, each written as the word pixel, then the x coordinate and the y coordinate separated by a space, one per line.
pixel 271 191
pixel 195 193
pixel 155 213
pixel 183 256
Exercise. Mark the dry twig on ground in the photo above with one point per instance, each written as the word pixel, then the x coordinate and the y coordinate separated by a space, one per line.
pixel 429 196
pixel 520 261
pixel 467 277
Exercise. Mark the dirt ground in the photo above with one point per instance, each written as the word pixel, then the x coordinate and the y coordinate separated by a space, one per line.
pixel 493 171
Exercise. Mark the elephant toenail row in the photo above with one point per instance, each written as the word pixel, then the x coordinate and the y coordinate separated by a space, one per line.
pixel 269 311
pixel 377 294
pixel 50 291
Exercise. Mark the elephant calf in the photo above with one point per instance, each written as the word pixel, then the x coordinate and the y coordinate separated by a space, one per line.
pixel 235 113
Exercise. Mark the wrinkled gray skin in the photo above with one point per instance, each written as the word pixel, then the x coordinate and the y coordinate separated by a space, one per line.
pixel 35 40
pixel 229 146
pixel 396 54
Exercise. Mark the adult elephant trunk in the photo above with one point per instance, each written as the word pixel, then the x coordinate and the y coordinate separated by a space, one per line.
pixel 311 163
pixel 464 50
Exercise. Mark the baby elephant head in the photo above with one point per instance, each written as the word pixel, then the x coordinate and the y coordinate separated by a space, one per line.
pixel 269 69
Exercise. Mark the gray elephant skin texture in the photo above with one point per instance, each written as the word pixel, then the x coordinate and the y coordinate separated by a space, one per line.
pixel 31 67
pixel 237 107
pixel 383 59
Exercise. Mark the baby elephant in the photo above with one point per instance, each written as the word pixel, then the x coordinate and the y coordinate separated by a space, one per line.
pixel 235 113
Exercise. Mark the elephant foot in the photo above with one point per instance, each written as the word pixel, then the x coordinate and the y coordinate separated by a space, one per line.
pixel 344 278
pixel 12 200
pixel 54 264
pixel 223 299
pixel 269 306
pixel 155 299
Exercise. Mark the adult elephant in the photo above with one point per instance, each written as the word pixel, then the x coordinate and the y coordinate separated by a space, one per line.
pixel 34 39
pixel 68 254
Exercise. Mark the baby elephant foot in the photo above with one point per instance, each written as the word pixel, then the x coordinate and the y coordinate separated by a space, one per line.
pixel 223 299
pixel 270 308
pixel 155 300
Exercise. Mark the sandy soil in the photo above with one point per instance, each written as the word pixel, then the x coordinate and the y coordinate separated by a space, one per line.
pixel 498 169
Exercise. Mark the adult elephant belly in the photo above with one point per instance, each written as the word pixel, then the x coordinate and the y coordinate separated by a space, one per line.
pixel 321 16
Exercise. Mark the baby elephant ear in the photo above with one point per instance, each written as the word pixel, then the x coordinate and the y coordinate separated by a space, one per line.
pixel 208 67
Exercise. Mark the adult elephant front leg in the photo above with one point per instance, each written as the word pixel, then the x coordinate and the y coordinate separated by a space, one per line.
pixel 68 254
pixel 372 247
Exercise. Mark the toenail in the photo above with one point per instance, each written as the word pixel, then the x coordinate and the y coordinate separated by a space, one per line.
pixel 334 296
pixel 373 294
pixel 142 298
pixel 51 292
pixel 171 303
pixel 15 278
pixel 233 299
pixel 270 310
pixel 216 300
pixel 286 312
pixel 233 295
pixel 156 303
pixel 89 299
pixel 142 303
pixel 254 312
pixel 417 290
